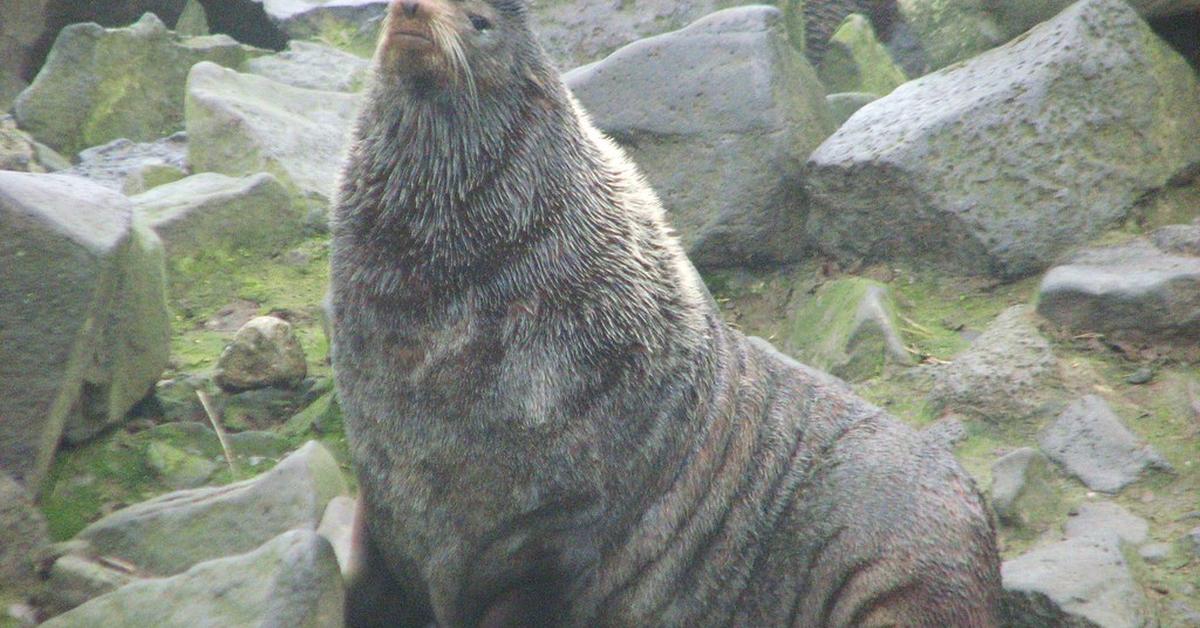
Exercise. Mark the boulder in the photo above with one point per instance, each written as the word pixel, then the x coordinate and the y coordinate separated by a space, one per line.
pixel 842 106
pixel 1081 582
pixel 311 65
pixel 999 164
pixel 24 534
pixel 849 329
pixel 1017 16
pixel 210 211
pixel 1021 488
pixel 169 534
pixel 126 165
pixel 264 352
pixel 1106 518
pixel 24 21
pixel 1091 443
pixel 855 61
pixel 102 84
pixel 242 124
pixel 719 116
pixel 337 526
pixel 950 30
pixel 352 25
pixel 1008 374
pixel 1140 293
pixel 293 580
pixel 84 328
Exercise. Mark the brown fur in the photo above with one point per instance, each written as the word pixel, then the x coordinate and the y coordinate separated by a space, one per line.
pixel 550 422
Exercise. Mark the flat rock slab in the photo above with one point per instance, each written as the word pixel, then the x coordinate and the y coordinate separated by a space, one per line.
pixel 1090 442
pixel 242 124
pixel 101 84
pixel 1107 518
pixel 719 116
pixel 999 164
pixel 169 534
pixel 1078 583
pixel 84 329
pixel 113 164
pixel 1145 292
pixel 311 65
pixel 293 580
pixel 210 211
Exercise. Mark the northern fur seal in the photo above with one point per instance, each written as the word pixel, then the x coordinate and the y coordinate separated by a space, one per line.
pixel 549 420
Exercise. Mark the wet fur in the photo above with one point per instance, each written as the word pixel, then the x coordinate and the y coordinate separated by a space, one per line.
pixel 551 424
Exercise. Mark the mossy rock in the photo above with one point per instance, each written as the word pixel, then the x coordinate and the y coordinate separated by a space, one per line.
pixel 855 61
pixel 849 329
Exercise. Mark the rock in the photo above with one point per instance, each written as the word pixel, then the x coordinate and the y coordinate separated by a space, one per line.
pixel 947 432
pixel 193 22
pixel 291 581
pixel 209 212
pixel 1192 542
pixel 1134 293
pixel 1185 614
pixel 24 534
pixel 1155 553
pixel 1017 16
pixel 321 416
pixel 951 30
pixel 101 84
pixel 242 124
pixel 268 407
pixel 812 23
pixel 352 25
pixel 848 329
pixel 74 579
pixel 265 352
pixel 117 164
pixel 1091 443
pixel 855 61
pixel 719 116
pixel 999 164
pixel 313 66
pixel 1008 374
pixel 177 468
pixel 1140 376
pixel 24 21
pixel 151 176
pixel 1021 488
pixel 337 526
pixel 1081 582
pixel 842 106
pixel 18 150
pixel 1107 518
pixel 171 533
pixel 83 303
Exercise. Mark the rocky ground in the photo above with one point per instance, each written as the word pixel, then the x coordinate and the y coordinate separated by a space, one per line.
pixel 984 215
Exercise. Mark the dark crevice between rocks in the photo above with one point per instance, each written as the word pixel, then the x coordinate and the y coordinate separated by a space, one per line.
pixel 1182 32
pixel 245 21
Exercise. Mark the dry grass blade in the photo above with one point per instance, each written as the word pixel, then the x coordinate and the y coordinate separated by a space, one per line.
pixel 221 435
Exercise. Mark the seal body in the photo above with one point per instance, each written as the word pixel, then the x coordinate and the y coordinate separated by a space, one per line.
pixel 550 423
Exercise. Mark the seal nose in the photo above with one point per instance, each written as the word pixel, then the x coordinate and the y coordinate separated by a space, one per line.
pixel 410 7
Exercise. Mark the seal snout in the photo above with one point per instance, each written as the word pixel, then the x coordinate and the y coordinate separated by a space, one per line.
pixel 409 7
pixel 408 23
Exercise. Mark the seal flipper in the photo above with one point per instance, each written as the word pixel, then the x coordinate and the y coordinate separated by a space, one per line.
pixel 374 599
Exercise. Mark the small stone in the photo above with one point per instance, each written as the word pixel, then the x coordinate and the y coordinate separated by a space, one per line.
pixel 946 432
pixel 1140 376
pixel 1089 441
pixel 264 352
pixel 1192 541
pixel 1155 553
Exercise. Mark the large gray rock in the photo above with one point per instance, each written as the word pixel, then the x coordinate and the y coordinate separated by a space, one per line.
pixel 84 330
pixel 719 116
pixel 997 165
pixel 169 534
pixel 101 84
pixel 1107 518
pixel 114 164
pixel 242 124
pixel 1082 582
pixel 1090 442
pixel 291 581
pixel 23 529
pixel 1018 16
pixel 1144 292
pixel 313 66
pixel 1008 374
pixel 210 211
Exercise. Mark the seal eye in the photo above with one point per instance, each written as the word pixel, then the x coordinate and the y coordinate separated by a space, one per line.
pixel 479 22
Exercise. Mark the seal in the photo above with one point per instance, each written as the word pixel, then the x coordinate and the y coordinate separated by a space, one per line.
pixel 549 421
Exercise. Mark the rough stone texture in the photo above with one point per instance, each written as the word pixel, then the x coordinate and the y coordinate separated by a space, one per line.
pixel 210 211
pixel 997 165
pixel 241 124
pixel 1091 443
pixel 1145 292
pixel 1017 16
pixel 265 352
pixel 84 330
pixel 313 66
pixel 24 535
pixel 947 432
pixel 719 116
pixel 1008 374
pixel 848 329
pixel 1020 486
pixel 18 150
pixel 101 84
pixel 842 106
pixel 75 579
pixel 1078 583
pixel 171 533
pixel 22 26
pixel 116 163
pixel 856 62
pixel 1107 518
pixel 950 30
pixel 291 581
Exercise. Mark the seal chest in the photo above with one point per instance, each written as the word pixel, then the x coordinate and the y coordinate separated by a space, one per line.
pixel 549 421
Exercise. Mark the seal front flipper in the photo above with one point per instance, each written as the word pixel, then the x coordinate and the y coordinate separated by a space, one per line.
pixel 374 599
